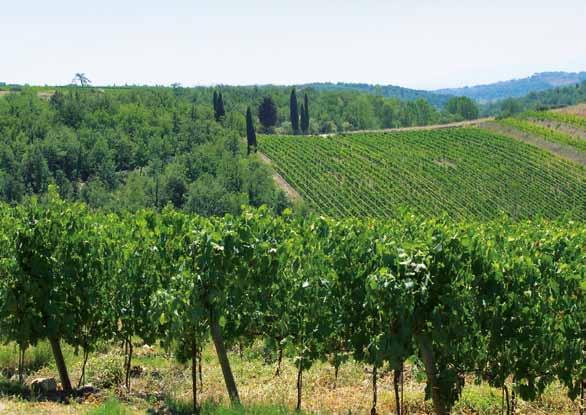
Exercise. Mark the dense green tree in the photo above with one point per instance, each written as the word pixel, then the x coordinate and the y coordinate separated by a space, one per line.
pixel 305 116
pixel 510 107
pixel 360 114
pixel 250 133
pixel 294 111
pixel 220 110
pixel 302 116
pixel 463 107
pixel 98 145
pixel 267 113
pixel 36 170
pixel 207 196
pixel 215 103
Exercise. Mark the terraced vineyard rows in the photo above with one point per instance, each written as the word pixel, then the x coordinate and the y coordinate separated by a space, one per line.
pixel 546 133
pixel 466 173
pixel 566 118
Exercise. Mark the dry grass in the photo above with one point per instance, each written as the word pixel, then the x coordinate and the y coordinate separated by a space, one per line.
pixel 164 378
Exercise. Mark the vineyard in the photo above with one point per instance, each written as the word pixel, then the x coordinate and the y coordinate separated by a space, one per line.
pixel 500 301
pixel 527 125
pixel 561 117
pixel 465 173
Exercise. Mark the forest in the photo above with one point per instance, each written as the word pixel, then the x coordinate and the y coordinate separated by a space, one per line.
pixel 129 149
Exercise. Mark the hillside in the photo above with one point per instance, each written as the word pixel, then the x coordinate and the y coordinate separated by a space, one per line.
pixel 464 172
pixel 387 91
pixel 516 87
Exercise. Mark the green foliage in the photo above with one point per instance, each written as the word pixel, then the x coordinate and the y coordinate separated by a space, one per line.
pixel 510 107
pixel 105 371
pixel 35 358
pixel 219 110
pixel 305 122
pixel 294 112
pixel 250 133
pixel 463 107
pixel 267 113
pixel 120 149
pixel 112 406
pixel 502 300
pixel 548 134
pixel 559 117
pixel 551 98
pixel 109 147
pixel 465 173
pixel 10 388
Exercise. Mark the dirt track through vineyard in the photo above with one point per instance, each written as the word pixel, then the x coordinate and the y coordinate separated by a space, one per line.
pixel 470 123
pixel 289 190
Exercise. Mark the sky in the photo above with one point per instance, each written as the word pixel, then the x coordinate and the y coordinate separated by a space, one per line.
pixel 418 44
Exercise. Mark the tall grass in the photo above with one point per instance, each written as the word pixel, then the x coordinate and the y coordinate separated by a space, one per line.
pixel 210 408
pixel 111 407
pixel 182 407
pixel 35 358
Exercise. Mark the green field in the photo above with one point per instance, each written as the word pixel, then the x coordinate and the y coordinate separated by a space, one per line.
pixel 466 173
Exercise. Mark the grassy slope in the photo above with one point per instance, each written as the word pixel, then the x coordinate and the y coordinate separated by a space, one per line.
pixel 465 172
pixel 261 392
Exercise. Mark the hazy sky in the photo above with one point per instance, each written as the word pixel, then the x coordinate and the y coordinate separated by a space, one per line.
pixel 418 43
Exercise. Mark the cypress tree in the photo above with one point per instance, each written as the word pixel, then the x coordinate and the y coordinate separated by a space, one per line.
pixel 294 112
pixel 221 111
pixel 303 114
pixel 250 133
pixel 216 105
pixel 193 113
pixel 305 125
pixel 267 113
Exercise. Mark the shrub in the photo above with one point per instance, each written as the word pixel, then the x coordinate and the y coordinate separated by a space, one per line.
pixel 105 371
pixel 111 407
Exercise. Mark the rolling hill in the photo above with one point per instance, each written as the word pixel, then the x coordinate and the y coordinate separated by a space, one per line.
pixel 516 87
pixel 388 91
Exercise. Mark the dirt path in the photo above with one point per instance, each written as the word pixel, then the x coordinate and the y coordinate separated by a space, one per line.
pixel 419 128
pixel 291 193
pixel 560 150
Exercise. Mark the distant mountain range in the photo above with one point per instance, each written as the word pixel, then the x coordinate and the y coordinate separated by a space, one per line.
pixel 516 87
pixel 482 93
